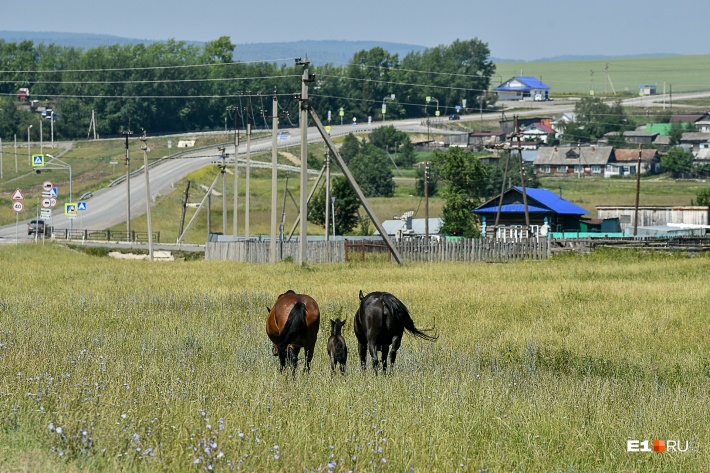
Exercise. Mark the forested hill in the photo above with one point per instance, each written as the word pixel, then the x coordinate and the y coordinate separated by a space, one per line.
pixel 334 52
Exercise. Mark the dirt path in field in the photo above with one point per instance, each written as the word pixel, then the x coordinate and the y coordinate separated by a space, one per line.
pixel 291 157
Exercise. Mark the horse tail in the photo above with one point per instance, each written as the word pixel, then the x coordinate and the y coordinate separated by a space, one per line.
pixel 294 327
pixel 400 311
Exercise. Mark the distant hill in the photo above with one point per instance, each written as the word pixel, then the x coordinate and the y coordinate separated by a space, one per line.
pixel 335 52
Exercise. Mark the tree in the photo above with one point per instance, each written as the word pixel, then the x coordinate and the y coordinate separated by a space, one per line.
pixel 372 172
pixel 350 148
pixel 466 176
pixel 346 207
pixel 594 119
pixel 675 134
pixel 703 197
pixel 678 162
pixel 495 176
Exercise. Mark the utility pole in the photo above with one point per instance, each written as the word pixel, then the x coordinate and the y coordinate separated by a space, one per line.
pixel 222 166
pixel 426 201
pixel 144 147
pixel 247 185
pixel 126 134
pixel 522 178
pixel 41 145
pixel 236 172
pixel 638 190
pixel 186 194
pixel 274 175
pixel 327 194
pixel 303 240
pixel 16 153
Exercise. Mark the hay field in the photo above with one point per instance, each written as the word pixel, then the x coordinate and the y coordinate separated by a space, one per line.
pixel 116 365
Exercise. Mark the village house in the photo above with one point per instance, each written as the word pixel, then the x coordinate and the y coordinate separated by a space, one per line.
pixel 626 161
pixel 573 161
pixel 523 88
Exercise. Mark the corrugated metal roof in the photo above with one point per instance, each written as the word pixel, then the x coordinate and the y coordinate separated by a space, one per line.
pixel 627 155
pixel 539 200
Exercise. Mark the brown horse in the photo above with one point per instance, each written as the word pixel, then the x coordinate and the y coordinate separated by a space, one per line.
pixel 293 323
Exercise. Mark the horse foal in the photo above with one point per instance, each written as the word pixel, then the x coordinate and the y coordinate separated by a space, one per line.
pixel 337 349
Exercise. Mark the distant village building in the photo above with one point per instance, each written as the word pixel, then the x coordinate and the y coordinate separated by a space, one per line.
pixel 573 161
pixel 523 88
pixel 659 220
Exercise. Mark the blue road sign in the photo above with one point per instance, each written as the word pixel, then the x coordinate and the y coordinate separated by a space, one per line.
pixel 53 192
pixel 81 205
pixel 38 160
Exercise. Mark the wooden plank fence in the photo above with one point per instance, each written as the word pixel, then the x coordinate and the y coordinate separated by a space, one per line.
pixel 482 250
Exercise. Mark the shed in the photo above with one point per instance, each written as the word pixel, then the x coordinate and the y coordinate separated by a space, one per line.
pixel 650 216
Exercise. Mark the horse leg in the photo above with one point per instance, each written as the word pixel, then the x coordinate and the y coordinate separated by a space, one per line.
pixel 282 360
pixel 373 353
pixel 362 351
pixel 332 364
pixel 309 356
pixel 293 358
pixel 385 349
pixel 396 341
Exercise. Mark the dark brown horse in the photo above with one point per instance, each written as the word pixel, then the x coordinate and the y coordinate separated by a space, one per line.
pixel 380 321
pixel 337 349
pixel 293 323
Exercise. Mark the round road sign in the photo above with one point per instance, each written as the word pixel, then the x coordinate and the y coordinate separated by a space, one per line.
pixel 17 206
pixel 47 186
pixel 46 203
pixel 52 202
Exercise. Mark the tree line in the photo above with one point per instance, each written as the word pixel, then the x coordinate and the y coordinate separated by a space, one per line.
pixel 175 87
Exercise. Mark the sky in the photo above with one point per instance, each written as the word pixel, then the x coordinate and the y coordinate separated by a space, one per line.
pixel 513 29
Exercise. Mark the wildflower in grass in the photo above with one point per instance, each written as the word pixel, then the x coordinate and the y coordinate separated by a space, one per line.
pixel 59 430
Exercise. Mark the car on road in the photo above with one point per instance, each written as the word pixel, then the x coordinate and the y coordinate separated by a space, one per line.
pixel 36 226
pixel 454 116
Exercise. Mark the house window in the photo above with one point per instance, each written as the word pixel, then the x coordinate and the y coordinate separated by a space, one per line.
pixel 545 169
pixel 561 169
pixel 596 169
pixel 626 169
pixel 579 169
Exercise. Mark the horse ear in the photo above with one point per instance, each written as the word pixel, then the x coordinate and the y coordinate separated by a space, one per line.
pixel 268 309
pixel 344 321
pixel 332 322
pixel 361 296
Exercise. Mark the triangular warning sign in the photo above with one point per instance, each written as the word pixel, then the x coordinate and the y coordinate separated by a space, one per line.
pixel 38 159
pixel 18 195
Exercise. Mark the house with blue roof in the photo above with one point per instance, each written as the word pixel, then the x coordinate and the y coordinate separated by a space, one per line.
pixel 545 208
pixel 523 88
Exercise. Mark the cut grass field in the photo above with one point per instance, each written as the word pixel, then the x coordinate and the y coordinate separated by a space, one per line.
pixel 679 73
pixel 115 365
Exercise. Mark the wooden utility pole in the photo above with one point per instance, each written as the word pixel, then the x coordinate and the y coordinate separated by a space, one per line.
pixel 144 147
pixel 303 240
pixel 327 195
pixel 638 190
pixel 522 178
pixel 426 201
pixel 361 196
pixel 184 206
pixel 126 134
pixel 274 176
pixel 247 174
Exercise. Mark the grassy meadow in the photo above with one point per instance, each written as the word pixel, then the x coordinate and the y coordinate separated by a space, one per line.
pixel 116 365
pixel 681 73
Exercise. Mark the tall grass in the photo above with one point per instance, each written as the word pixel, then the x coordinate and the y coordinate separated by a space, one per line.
pixel 112 365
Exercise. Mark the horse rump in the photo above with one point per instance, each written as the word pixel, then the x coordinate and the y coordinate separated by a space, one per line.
pixel 295 326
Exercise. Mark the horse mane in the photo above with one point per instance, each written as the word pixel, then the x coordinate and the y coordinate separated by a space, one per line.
pixel 400 311
pixel 295 325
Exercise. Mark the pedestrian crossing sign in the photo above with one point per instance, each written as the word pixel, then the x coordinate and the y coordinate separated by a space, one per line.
pixel 38 160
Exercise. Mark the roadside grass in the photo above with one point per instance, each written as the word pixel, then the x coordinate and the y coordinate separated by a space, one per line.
pixel 115 365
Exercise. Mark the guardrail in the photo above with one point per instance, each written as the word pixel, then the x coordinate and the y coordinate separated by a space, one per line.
pixel 103 235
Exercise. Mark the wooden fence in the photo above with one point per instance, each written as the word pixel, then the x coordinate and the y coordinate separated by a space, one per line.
pixel 484 250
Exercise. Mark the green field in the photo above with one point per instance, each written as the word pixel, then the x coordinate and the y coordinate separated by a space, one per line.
pixel 115 365
pixel 679 73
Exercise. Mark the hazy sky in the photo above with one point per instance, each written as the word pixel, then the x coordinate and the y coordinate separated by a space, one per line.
pixel 513 29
